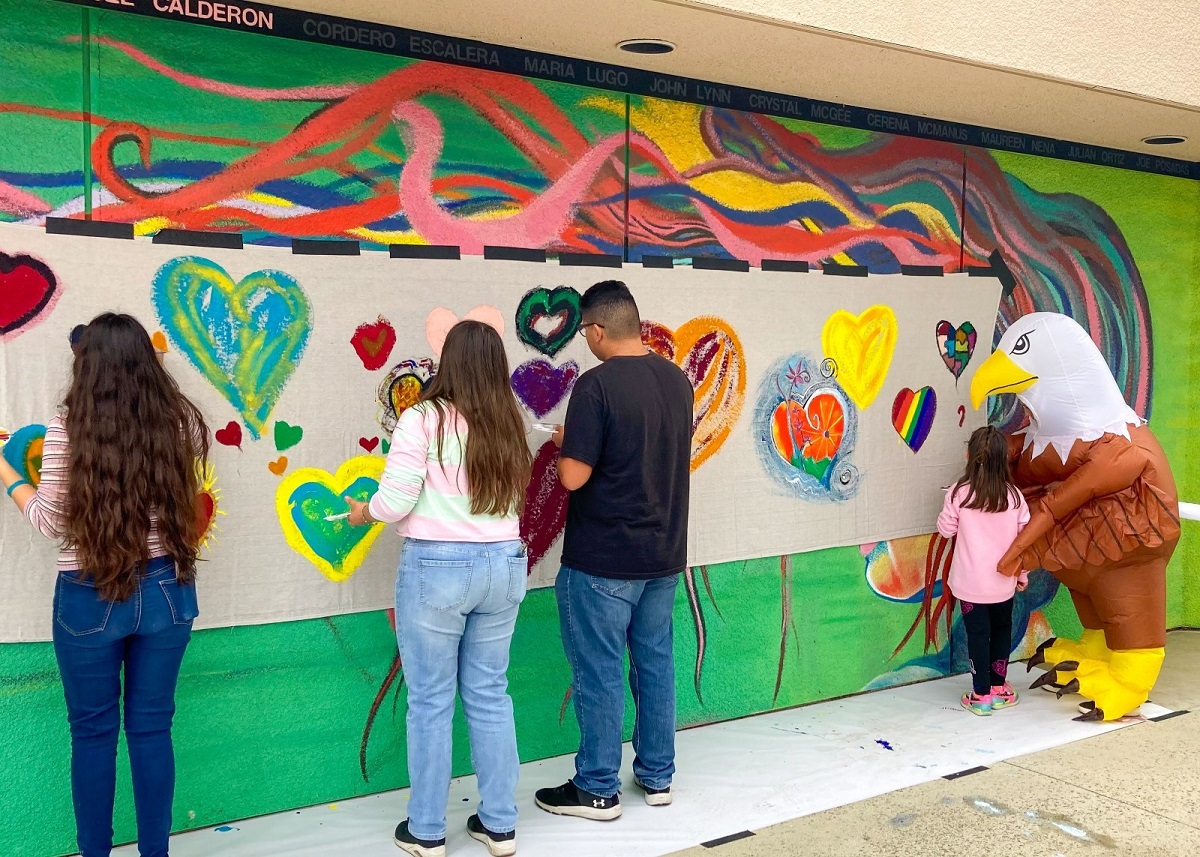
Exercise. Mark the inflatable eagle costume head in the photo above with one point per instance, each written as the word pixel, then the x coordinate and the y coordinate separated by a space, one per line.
pixel 1104 512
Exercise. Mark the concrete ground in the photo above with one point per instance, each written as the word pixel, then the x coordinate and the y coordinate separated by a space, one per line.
pixel 1130 792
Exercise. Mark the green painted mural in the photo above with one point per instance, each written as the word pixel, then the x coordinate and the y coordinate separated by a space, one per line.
pixel 164 124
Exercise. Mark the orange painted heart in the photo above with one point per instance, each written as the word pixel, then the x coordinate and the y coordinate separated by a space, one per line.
pixel 809 436
pixel 159 341
pixel 710 354
pixel 279 465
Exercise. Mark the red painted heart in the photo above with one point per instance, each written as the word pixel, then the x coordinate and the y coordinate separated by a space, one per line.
pixel 231 435
pixel 545 514
pixel 28 290
pixel 368 444
pixel 373 343
pixel 206 510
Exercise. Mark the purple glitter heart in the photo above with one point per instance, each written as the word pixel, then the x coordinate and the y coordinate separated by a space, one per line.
pixel 541 387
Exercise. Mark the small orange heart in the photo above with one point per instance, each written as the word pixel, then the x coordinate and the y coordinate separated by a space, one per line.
pixel 159 341
pixel 278 465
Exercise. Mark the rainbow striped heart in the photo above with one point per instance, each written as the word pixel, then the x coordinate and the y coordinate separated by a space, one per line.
pixel 912 415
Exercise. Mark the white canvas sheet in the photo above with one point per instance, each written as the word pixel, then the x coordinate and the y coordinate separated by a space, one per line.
pixel 743 775
pixel 747 501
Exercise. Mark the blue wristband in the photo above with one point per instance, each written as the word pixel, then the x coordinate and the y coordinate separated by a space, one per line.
pixel 16 485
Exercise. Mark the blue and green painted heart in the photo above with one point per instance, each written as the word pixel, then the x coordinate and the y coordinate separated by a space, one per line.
pixel 306 497
pixel 548 318
pixel 245 337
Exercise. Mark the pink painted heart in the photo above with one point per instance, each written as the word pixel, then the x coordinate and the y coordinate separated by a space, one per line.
pixel 439 322
pixel 545 514
pixel 541 386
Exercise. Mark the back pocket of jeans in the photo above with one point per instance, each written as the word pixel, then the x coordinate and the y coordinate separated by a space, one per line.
pixel 444 583
pixel 181 598
pixel 80 610
pixel 518 577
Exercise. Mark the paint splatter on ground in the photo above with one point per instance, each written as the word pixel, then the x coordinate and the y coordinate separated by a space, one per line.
pixel 884 744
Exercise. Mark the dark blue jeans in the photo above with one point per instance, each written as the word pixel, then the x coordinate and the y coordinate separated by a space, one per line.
pixel 600 618
pixel 94 640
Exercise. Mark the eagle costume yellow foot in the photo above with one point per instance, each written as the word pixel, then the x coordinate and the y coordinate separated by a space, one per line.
pixel 1104 510
pixel 1117 687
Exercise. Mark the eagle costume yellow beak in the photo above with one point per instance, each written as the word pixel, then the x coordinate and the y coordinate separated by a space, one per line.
pixel 999 374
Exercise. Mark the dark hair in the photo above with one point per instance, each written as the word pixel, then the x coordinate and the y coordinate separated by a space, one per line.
pixel 137 445
pixel 473 378
pixel 610 305
pixel 988 479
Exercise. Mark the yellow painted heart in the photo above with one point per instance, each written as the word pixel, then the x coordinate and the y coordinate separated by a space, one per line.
pixel 862 347
pixel 308 495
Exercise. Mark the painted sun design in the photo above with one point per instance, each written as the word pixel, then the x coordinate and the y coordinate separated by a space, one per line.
pixel 209 505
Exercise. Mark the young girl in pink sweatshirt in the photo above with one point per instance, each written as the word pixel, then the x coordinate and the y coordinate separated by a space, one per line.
pixel 985 510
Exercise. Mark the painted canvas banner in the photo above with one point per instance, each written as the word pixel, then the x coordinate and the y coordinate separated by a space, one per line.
pixel 829 409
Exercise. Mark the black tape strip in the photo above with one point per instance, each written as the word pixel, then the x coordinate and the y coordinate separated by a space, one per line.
pixel 322 247
pixel 981 271
pixel 424 251
pixel 836 270
pixel 716 263
pixel 658 262
pixel 922 270
pixel 90 228
pixel 725 840
pixel 1168 716
pixel 589 260
pixel 515 254
pixel 798 267
pixel 965 773
pixel 1003 272
pixel 198 238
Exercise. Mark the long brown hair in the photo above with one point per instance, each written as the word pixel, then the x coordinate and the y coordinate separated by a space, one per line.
pixel 136 446
pixel 473 379
pixel 988 478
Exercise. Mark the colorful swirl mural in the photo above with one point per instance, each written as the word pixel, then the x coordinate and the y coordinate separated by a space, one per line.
pixel 369 160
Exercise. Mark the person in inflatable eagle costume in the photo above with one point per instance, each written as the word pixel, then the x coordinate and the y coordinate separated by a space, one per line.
pixel 1104 512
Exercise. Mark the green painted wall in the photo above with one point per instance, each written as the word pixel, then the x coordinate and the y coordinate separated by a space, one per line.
pixel 271 717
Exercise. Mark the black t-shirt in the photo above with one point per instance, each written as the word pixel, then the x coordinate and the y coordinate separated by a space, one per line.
pixel 630 418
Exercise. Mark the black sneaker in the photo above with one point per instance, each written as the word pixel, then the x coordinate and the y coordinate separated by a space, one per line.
pixel 498 844
pixel 569 799
pixel 654 797
pixel 409 844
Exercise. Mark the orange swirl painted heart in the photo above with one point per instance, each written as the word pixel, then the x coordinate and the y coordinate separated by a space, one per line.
pixel 710 354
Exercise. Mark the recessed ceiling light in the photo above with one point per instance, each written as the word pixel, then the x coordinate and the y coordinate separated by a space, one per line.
pixel 646 46
pixel 1164 139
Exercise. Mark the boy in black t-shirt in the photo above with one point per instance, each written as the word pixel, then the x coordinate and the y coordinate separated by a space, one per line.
pixel 626 450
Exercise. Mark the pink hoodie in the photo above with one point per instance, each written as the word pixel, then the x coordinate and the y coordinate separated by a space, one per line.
pixel 983 537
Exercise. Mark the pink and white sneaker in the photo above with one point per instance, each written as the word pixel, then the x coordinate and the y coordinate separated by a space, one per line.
pixel 981 705
pixel 1004 697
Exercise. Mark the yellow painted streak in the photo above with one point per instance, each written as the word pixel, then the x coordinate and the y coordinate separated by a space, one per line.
pixel 675 129
pixel 150 225
pixel 813 227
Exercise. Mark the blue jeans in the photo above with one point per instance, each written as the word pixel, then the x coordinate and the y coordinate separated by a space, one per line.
pixel 600 617
pixel 456 607
pixel 146 636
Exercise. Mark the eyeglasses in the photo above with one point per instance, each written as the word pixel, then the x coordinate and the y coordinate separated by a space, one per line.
pixel 583 328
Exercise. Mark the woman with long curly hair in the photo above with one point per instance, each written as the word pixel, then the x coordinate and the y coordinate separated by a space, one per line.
pixel 455 483
pixel 119 490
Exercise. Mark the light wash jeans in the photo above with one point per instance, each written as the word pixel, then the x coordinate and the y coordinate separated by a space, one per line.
pixel 600 620
pixel 456 607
